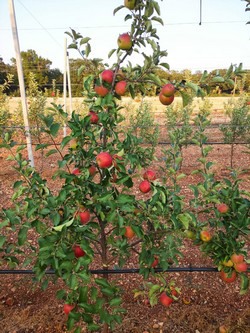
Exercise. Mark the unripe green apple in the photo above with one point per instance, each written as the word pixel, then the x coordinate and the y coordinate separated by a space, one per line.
pixel 130 4
pixel 124 41
pixel 120 88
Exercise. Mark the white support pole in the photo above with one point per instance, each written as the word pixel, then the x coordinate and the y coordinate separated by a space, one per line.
pixel 65 85
pixel 21 81
pixel 69 86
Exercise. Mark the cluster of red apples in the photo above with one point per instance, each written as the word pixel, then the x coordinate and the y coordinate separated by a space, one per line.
pixel 166 95
pixel 236 264
pixel 104 160
pixel 108 77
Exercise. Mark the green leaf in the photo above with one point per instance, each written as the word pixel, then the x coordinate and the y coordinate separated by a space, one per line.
pixel 157 19
pixel 218 79
pixel 22 235
pixel 17 184
pixel 72 46
pixel 165 65
pixel 51 152
pixel 111 53
pixel 186 98
pixel 61 226
pixel 117 9
pixel 85 40
pixel 93 327
pixel 54 128
pixel 87 49
pixel 2 240
pixel 65 141
pixel 83 294
pixel 156 7
pixel 244 284
pixel 102 282
pixel 115 301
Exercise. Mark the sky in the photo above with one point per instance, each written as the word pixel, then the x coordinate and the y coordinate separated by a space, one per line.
pixel 222 38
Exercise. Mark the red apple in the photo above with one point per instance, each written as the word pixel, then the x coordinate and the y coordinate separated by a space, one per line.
pixel 104 160
pixel 168 90
pixel 155 262
pixel 124 41
pixel 53 94
pixel 76 172
pixel 222 208
pixel 84 216
pixel 107 75
pixel 130 4
pixel 205 236
pixel 240 267
pixel 67 308
pixel 228 277
pixel 78 251
pixel 237 258
pixel 92 170
pixel 120 88
pixel 166 100
pixel 129 232
pixel 101 90
pixel 149 175
pixel 145 186
pixel 93 117
pixel 174 292
pixel 165 299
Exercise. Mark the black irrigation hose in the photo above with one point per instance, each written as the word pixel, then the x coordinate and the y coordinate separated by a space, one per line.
pixel 115 271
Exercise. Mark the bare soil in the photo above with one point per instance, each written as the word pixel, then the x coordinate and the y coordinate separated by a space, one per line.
pixel 205 302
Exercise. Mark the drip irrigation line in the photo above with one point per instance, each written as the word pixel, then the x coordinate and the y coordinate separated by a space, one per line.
pixel 114 271
pixel 161 143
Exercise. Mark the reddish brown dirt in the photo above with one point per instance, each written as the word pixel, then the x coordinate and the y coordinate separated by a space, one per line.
pixel 205 302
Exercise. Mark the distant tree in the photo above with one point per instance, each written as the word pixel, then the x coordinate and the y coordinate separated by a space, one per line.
pixel 33 63
pixel 56 75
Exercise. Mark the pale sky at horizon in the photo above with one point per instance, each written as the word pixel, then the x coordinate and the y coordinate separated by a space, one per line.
pixel 222 39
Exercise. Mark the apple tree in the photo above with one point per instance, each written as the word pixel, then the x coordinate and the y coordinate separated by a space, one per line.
pixel 109 204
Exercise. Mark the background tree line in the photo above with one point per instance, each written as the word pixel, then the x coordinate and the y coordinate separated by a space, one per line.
pixel 50 80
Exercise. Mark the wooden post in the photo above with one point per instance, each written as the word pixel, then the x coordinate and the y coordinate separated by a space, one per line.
pixel 65 85
pixel 21 81
pixel 69 85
